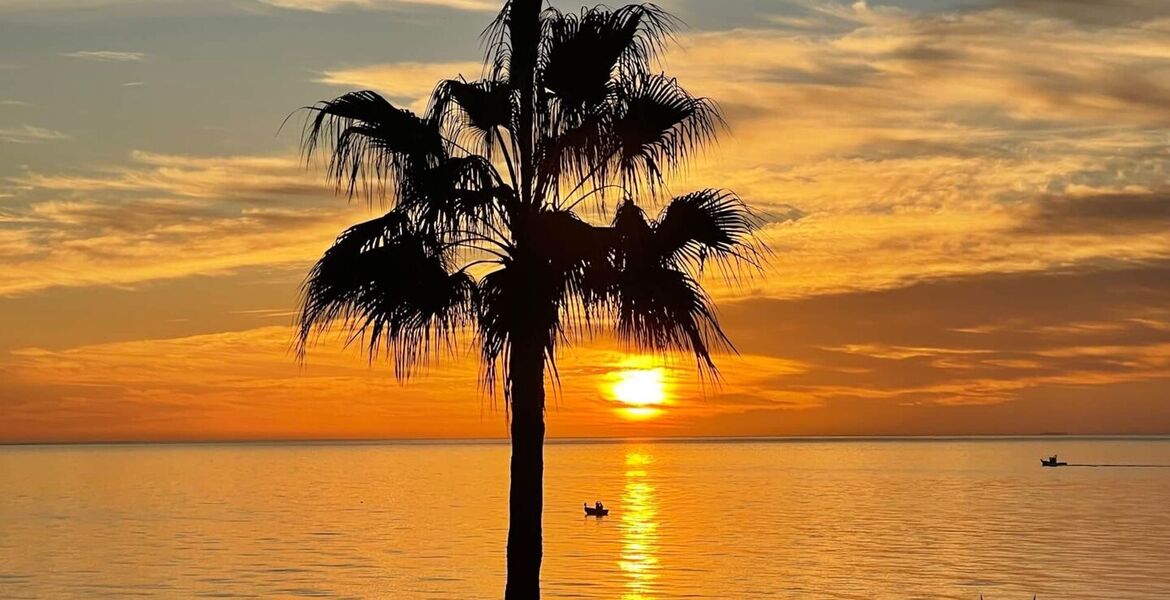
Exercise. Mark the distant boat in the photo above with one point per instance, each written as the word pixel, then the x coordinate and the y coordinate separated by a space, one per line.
pixel 1051 461
pixel 593 511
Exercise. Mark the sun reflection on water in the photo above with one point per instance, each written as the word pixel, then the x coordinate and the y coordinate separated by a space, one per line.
pixel 639 558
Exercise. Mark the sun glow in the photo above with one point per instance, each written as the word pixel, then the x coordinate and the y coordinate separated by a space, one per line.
pixel 640 391
pixel 640 387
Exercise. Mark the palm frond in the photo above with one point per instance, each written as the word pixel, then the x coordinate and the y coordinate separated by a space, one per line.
pixel 473 110
pixel 557 285
pixel 578 256
pixel 580 52
pixel 560 238
pixel 660 125
pixel 458 194
pixel 658 307
pixel 581 151
pixel 391 287
pixel 666 310
pixel 646 128
pixel 708 224
pixel 371 143
pixel 515 306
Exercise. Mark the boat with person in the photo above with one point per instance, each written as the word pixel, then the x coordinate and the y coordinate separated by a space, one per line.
pixel 1052 461
pixel 597 510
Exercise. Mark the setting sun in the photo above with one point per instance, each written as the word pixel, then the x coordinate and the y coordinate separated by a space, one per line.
pixel 641 391
pixel 642 387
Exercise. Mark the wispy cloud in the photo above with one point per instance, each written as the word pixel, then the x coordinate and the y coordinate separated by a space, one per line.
pixel 410 83
pixel 30 134
pixel 166 216
pixel 925 145
pixel 64 5
pixel 1114 12
pixel 13 103
pixel 107 55
pixel 332 5
pixel 976 340
pixel 1106 214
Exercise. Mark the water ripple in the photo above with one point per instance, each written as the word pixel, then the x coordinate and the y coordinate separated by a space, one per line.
pixel 844 519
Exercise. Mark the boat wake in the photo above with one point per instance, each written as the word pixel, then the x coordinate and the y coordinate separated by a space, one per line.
pixel 1119 466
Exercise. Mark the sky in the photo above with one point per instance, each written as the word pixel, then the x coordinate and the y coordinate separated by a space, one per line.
pixel 967 204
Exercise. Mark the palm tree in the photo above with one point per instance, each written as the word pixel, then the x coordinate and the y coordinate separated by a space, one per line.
pixel 482 233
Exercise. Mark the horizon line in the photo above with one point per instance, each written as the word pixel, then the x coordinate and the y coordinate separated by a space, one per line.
pixel 591 439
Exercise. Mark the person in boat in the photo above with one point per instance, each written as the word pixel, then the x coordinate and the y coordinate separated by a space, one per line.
pixel 599 505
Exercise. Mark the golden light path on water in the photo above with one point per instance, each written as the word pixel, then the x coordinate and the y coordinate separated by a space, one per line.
pixel 639 556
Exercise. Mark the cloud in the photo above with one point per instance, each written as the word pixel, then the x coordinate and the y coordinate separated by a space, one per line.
pixel 189 176
pixel 907 64
pixel 911 145
pixel 1092 12
pixel 889 146
pixel 333 5
pixel 926 144
pixel 62 5
pixel 1020 353
pixel 183 388
pixel 30 134
pixel 166 216
pixel 982 339
pixel 106 55
pixel 410 83
pixel 967 208
pixel 1101 214
pixel 165 7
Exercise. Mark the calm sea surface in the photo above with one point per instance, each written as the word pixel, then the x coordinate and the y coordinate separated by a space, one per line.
pixel 712 519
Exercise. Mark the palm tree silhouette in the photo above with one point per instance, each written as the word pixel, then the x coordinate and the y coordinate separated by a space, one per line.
pixel 568 116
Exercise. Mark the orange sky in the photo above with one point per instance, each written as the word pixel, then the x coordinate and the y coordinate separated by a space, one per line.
pixel 967 204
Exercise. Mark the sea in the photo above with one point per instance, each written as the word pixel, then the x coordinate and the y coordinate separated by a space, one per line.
pixel 833 518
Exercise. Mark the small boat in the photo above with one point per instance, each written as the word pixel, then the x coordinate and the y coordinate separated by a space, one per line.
pixel 596 511
pixel 1051 461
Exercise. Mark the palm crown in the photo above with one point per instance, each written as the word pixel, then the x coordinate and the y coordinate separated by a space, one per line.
pixel 568 116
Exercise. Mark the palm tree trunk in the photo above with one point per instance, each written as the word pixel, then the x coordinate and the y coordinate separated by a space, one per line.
pixel 524 26
pixel 526 496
